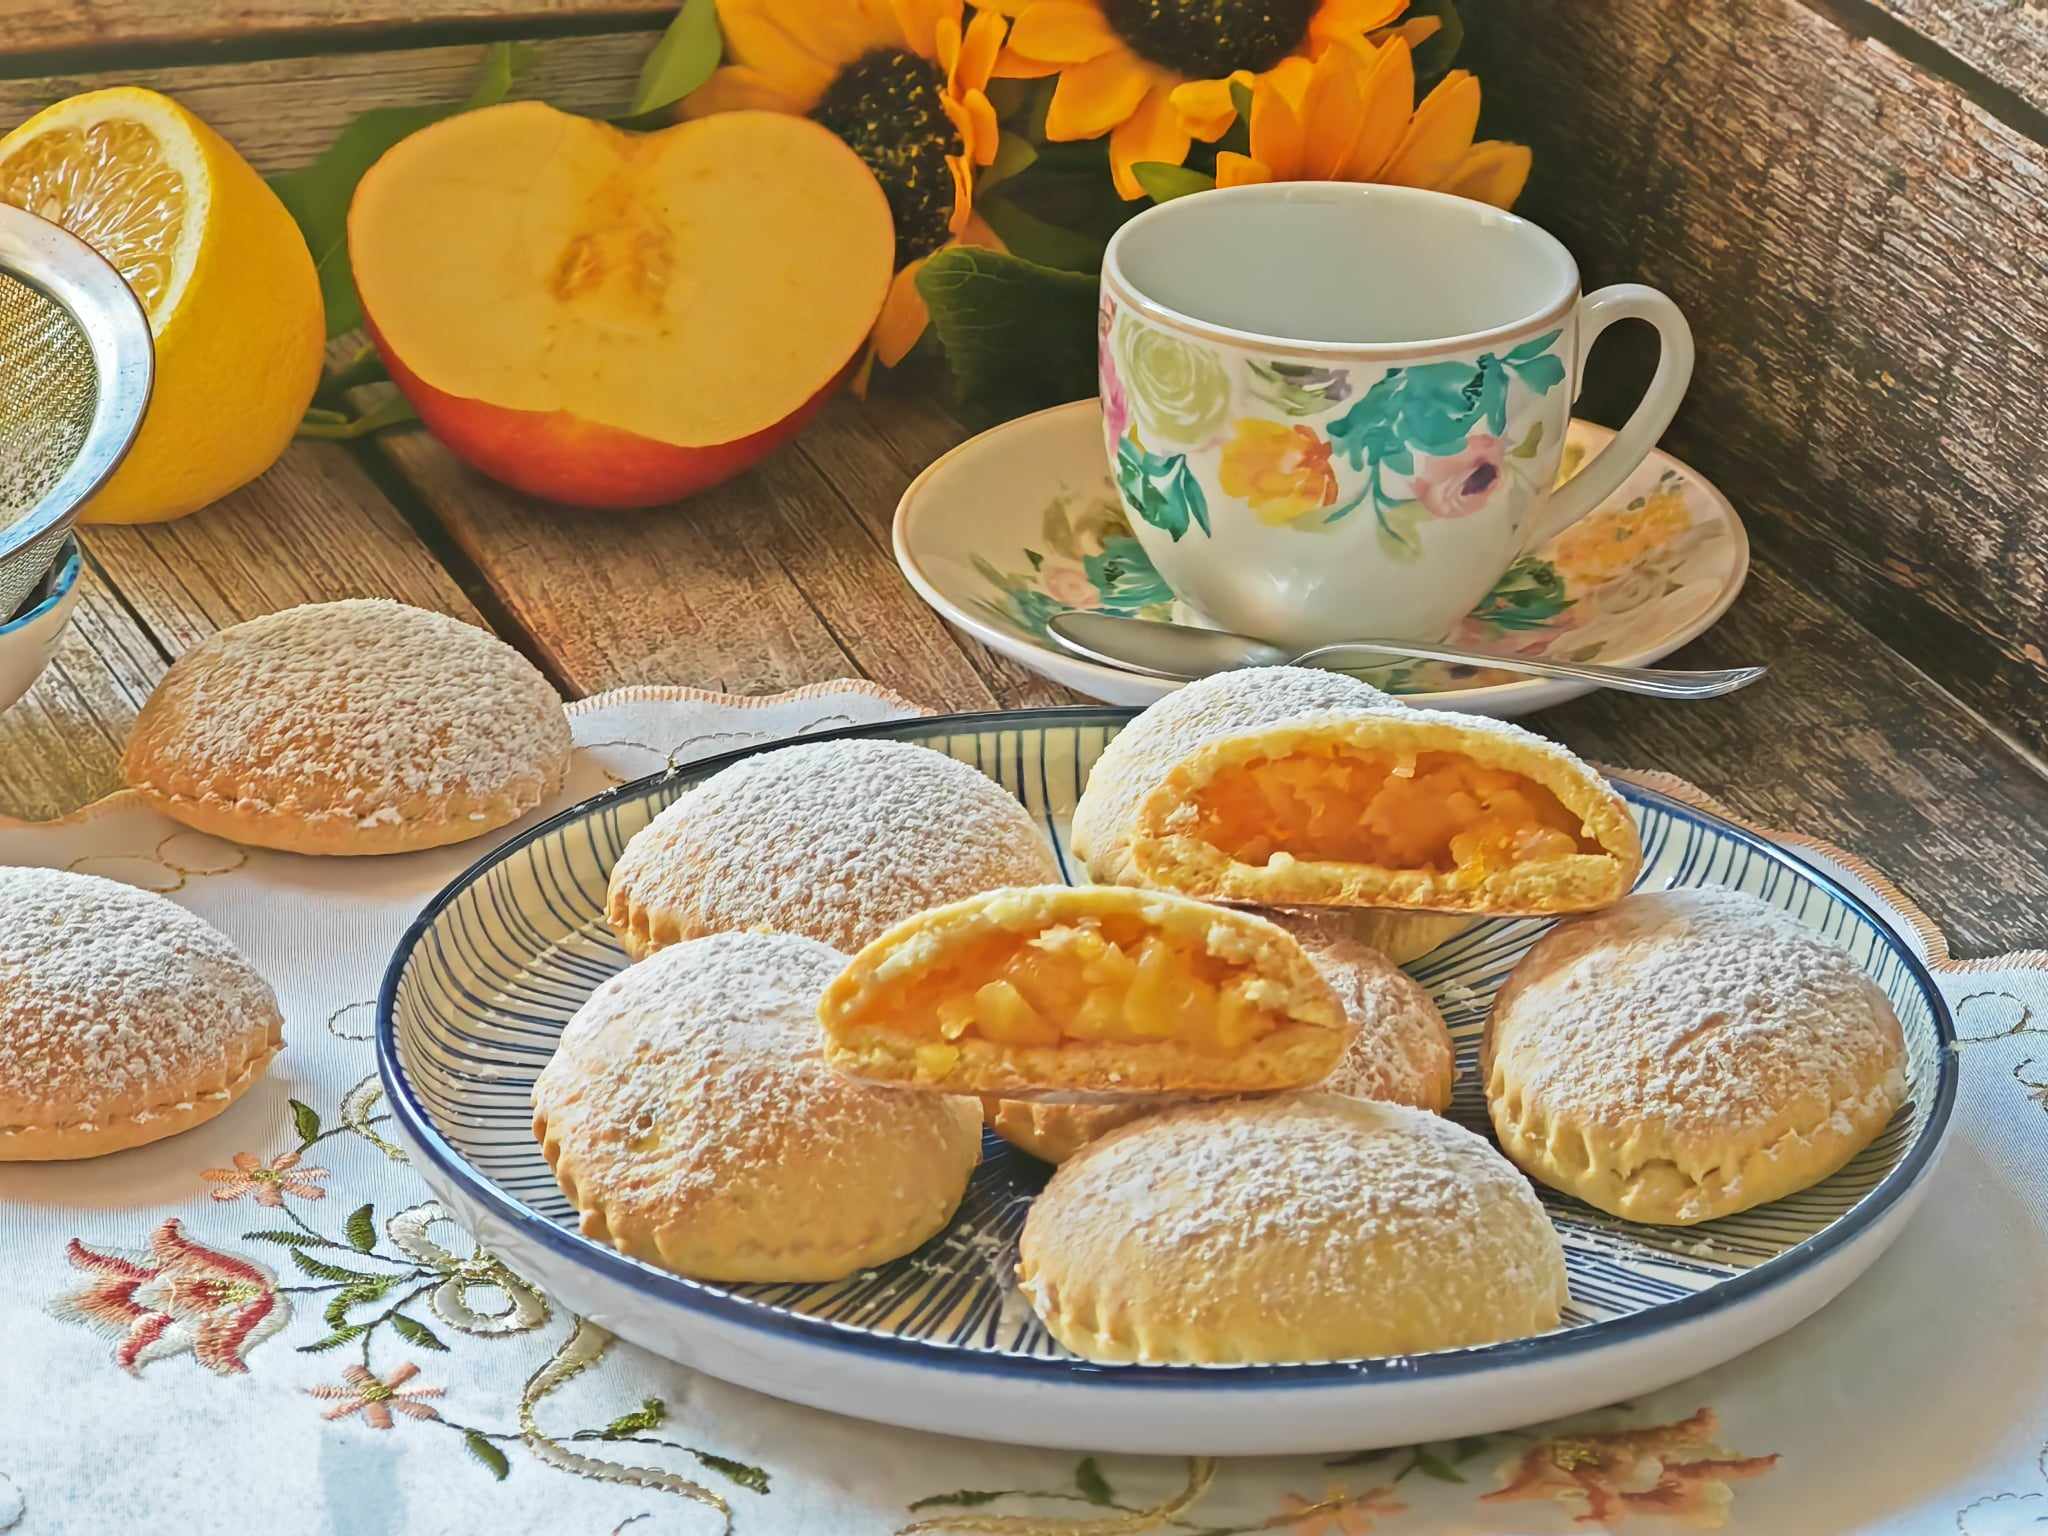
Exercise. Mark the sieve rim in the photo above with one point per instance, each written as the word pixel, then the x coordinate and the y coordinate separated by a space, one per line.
pixel 75 277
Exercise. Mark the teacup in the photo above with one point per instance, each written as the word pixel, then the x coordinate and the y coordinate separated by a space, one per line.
pixel 1336 410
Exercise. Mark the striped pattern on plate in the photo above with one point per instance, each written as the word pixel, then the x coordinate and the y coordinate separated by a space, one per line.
pixel 498 966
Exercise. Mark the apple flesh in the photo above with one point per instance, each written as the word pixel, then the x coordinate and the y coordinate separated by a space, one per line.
pixel 607 319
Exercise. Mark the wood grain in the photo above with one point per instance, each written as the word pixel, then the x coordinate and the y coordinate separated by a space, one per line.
pixel 1859 249
pixel 2006 41
pixel 126 26
pixel 281 113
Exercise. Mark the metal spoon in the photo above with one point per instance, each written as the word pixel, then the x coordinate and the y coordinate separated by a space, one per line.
pixel 1185 652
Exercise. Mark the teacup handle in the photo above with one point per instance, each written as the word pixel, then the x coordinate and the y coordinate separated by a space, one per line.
pixel 1603 476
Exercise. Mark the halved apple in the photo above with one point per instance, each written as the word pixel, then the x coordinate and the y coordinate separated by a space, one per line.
pixel 612 319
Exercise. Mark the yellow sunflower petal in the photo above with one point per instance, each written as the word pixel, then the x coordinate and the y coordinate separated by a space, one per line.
pixel 1415 31
pixel 1094 97
pixel 1276 131
pixel 757 39
pixel 1062 31
pixel 1290 77
pixel 1011 8
pixel 1492 171
pixel 1332 111
pixel 963 191
pixel 843 32
pixel 1334 18
pixel 1388 89
pixel 1439 133
pixel 1012 65
pixel 981 133
pixel 735 88
pixel 903 317
pixel 1205 107
pixel 1153 132
pixel 1235 170
pixel 919 21
pixel 980 45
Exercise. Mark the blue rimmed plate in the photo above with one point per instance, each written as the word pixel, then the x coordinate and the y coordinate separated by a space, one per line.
pixel 940 1340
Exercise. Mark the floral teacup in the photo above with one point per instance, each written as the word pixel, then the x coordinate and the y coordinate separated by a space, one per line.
pixel 1335 410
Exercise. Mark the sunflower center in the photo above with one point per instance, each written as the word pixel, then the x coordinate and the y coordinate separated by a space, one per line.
pixel 887 106
pixel 1207 39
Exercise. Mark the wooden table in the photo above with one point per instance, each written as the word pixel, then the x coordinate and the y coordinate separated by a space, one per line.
pixel 784 577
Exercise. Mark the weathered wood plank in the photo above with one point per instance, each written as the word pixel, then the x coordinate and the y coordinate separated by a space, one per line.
pixel 56 26
pixel 282 113
pixel 60 746
pixel 693 594
pixel 870 470
pixel 1859 248
pixel 314 529
pixel 2005 41
pixel 1848 743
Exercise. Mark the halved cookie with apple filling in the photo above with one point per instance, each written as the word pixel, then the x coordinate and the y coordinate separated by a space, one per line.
pixel 1388 807
pixel 1059 992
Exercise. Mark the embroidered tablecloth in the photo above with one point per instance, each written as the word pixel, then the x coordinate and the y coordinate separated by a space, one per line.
pixel 268 1325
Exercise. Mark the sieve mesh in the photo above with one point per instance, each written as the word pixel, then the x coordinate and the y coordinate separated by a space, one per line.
pixel 48 390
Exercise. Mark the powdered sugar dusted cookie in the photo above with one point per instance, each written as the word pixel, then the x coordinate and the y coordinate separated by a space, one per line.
pixel 1687 1054
pixel 834 840
pixel 689 1116
pixel 1301 1228
pixel 355 727
pixel 123 1018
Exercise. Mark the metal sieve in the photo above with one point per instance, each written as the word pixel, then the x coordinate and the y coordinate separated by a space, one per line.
pixel 76 360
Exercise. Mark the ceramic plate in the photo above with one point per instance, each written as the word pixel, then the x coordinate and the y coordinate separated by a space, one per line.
pixel 940 1340
pixel 1023 522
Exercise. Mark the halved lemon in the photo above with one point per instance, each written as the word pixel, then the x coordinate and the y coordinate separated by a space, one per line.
pixel 219 265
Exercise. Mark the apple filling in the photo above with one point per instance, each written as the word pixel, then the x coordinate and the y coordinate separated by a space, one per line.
pixel 1436 811
pixel 1087 980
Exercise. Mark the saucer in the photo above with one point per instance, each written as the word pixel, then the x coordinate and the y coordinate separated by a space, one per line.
pixel 1023 522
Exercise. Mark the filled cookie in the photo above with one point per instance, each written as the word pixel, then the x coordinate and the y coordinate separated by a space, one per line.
pixel 833 840
pixel 1145 751
pixel 357 727
pixel 1400 1051
pixel 123 1018
pixel 1304 1227
pixel 1687 1054
pixel 691 1121
pixel 1096 991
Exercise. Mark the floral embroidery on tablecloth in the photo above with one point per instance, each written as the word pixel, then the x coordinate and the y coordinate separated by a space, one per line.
pixel 1674 1470
pixel 268 1182
pixel 375 1397
pixel 176 1296
pixel 176 861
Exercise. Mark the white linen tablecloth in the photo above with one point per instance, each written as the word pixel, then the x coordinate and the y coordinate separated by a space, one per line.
pixel 175 1352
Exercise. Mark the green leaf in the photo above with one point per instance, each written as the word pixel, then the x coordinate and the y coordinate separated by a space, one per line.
pixel 1163 182
pixel 1433 58
pixel 1470 1446
pixel 1093 1485
pixel 361 1228
pixel 305 1120
pixel 337 1308
pixel 415 1332
pixel 487 1453
pixel 683 60
pixel 317 196
pixel 1014 154
pixel 294 1239
pixel 1531 442
pixel 649 1415
pixel 1241 98
pixel 962 1498
pixel 1435 1466
pixel 749 1477
pixel 338 426
pixel 1034 239
pixel 320 1271
pixel 335 1339
pixel 1016 334
pixel 1359 1458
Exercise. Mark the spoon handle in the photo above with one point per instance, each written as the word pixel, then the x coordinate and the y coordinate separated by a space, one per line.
pixel 1658 682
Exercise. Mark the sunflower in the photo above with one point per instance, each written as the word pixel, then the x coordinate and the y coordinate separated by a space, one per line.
pixel 1351 116
pixel 904 83
pixel 1155 74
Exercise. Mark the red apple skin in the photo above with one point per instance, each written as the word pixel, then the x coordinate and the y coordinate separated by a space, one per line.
pixel 562 458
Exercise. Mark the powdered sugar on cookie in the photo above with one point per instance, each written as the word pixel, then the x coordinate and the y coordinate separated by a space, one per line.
pixel 1402 1050
pixel 836 840
pixel 116 1003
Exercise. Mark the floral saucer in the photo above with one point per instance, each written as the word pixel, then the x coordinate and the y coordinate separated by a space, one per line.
pixel 1023 522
